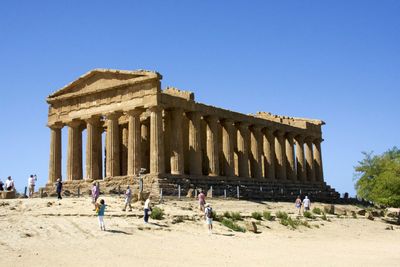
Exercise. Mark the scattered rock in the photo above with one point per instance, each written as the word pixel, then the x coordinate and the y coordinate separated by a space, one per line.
pixel 67 193
pixel 390 227
pixel 369 216
pixel 12 208
pixel 49 204
pixel 190 193
pixel 362 212
pixel 251 226
pixel 4 204
pixel 330 209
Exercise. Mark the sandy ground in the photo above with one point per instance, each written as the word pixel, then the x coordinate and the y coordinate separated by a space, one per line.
pixel 48 232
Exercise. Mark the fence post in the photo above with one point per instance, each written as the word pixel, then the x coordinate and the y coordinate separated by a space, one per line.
pixel 237 192
pixel 25 191
pixel 195 193
pixel 161 195
pixel 41 192
pixel 225 193
pixel 211 191
pixel 79 191
pixel 119 190
pixel 179 191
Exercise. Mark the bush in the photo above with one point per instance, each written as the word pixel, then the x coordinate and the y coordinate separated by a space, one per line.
pixel 267 216
pixel 227 214
pixel 256 215
pixel 308 215
pixel 317 211
pixel 157 213
pixel 282 215
pixel 232 225
pixel 290 222
pixel 236 216
pixel 216 217
pixel 323 217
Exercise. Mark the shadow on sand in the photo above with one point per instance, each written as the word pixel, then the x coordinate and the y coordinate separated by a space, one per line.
pixel 118 232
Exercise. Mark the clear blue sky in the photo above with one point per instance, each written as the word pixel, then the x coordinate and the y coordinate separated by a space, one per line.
pixel 338 61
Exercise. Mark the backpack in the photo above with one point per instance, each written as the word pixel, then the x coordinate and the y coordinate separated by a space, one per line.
pixel 209 212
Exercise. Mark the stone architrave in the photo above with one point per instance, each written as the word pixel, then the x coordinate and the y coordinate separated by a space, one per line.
pixel 269 153
pixel 291 167
pixel 195 158
pixel 177 158
pixel 74 160
pixel 256 146
pixel 93 148
pixel 212 145
pixel 227 147
pixel 280 153
pixel 308 147
pixel 243 149
pixel 318 160
pixel 134 142
pixel 55 153
pixel 113 145
pixel 301 165
pixel 157 160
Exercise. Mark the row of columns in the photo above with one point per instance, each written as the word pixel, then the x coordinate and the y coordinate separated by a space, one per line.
pixel 270 152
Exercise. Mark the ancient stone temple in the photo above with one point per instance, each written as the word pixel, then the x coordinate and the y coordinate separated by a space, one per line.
pixel 129 123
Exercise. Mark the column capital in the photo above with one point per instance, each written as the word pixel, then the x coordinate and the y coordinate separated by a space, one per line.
pixel 300 138
pixel 256 128
pixel 227 122
pixel 112 115
pixel 291 134
pixel 309 139
pixel 155 108
pixel 56 126
pixel 134 112
pixel 74 123
pixel 210 117
pixel 318 140
pixel 279 133
pixel 93 119
pixel 242 125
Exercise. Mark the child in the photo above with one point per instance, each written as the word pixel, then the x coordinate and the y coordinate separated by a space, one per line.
pixel 208 214
pixel 147 209
pixel 298 204
pixel 100 208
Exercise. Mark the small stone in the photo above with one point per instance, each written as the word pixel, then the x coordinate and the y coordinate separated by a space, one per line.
pixel 361 212
pixel 251 226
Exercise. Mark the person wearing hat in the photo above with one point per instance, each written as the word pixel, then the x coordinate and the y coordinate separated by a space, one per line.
pixel 59 188
pixel 208 215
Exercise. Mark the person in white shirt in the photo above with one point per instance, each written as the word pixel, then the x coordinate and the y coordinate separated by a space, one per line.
pixel 31 184
pixel 9 184
pixel 147 208
pixel 306 203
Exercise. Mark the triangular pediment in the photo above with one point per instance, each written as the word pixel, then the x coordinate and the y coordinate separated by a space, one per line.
pixel 102 79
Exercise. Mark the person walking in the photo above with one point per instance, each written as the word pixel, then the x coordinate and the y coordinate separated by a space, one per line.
pixel 147 209
pixel 208 215
pixel 128 198
pixel 59 186
pixel 9 184
pixel 1 185
pixel 100 208
pixel 95 192
pixel 306 203
pixel 297 204
pixel 202 200
pixel 31 184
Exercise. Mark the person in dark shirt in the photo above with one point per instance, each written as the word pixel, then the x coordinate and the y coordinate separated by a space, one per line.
pixel 59 188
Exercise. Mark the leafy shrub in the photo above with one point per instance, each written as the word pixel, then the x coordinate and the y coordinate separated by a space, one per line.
pixel 354 214
pixel 267 216
pixel 236 216
pixel 215 216
pixel 256 215
pixel 290 222
pixel 306 224
pixel 317 211
pixel 232 225
pixel 308 215
pixel 281 215
pixel 227 214
pixel 157 213
pixel 323 217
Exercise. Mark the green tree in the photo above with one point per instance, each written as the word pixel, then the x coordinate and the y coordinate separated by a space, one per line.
pixel 378 178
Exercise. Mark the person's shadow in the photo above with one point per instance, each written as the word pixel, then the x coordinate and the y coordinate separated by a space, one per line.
pixel 118 232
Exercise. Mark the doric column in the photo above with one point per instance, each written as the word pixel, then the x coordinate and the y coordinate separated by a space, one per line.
pixel 134 142
pixel 308 147
pixel 123 149
pixel 243 149
pixel 195 158
pixel 319 175
pixel 157 163
pixel 227 147
pixel 93 148
pixel 269 154
pixel 256 145
pixel 55 153
pixel 145 144
pixel 177 159
pixel 280 152
pixel 301 165
pixel 212 146
pixel 74 163
pixel 113 146
pixel 291 168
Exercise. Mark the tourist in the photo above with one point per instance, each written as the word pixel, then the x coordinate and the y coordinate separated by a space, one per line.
pixel 297 204
pixel 95 192
pixel 147 209
pixel 59 188
pixel 1 185
pixel 128 198
pixel 306 203
pixel 208 215
pixel 202 200
pixel 9 184
pixel 31 184
pixel 100 208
